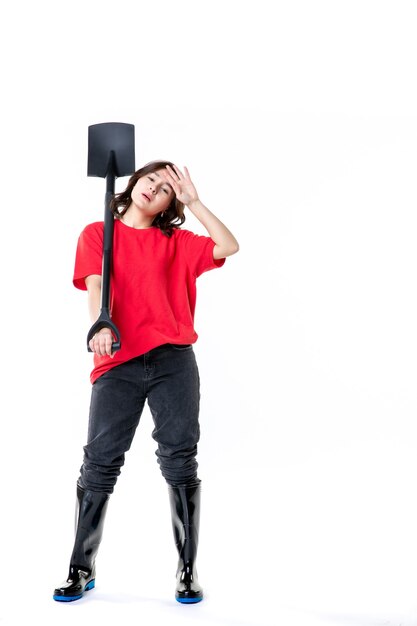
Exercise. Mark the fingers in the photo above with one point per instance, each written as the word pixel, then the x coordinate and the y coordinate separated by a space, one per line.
pixel 169 176
pixel 174 184
pixel 101 343
pixel 179 174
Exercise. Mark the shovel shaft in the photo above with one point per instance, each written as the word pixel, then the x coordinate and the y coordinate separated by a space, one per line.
pixel 104 320
pixel 107 247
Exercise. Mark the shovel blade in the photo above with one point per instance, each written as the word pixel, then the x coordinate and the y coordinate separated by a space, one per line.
pixel 111 137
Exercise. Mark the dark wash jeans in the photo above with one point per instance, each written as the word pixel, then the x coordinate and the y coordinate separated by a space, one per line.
pixel 168 378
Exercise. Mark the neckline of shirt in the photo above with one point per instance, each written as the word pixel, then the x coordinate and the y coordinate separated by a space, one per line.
pixel 133 228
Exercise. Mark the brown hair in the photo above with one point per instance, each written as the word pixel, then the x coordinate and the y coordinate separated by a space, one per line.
pixel 173 215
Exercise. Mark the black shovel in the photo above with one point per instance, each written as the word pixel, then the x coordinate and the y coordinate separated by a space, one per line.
pixel 111 153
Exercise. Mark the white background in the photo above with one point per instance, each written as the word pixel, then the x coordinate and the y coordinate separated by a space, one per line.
pixel 297 121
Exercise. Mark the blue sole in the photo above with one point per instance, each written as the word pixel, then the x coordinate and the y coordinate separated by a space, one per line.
pixel 89 586
pixel 188 600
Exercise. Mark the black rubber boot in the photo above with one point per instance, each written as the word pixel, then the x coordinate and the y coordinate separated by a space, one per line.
pixel 185 511
pixel 89 520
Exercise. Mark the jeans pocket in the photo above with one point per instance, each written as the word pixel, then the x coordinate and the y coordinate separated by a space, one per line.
pixel 182 347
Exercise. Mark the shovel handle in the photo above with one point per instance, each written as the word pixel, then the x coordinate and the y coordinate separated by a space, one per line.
pixel 104 321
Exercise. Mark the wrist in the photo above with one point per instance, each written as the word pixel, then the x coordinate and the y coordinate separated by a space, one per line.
pixel 194 203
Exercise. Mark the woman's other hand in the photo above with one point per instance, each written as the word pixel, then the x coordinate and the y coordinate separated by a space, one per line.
pixel 101 342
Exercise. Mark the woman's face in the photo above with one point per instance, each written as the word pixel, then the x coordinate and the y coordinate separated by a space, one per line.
pixel 152 194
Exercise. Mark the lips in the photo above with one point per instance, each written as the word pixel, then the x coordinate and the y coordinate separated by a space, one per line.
pixel 147 197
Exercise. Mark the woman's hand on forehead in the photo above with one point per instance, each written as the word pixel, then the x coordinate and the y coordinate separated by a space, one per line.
pixel 182 185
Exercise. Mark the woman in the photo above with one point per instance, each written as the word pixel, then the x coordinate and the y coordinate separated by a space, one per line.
pixel 153 298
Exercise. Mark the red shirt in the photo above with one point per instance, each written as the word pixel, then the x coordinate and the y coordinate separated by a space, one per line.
pixel 153 285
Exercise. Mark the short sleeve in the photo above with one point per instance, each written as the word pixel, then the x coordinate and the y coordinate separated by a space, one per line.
pixel 89 254
pixel 198 251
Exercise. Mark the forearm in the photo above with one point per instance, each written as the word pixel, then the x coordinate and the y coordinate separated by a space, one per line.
pixel 215 228
pixel 94 301
pixel 101 342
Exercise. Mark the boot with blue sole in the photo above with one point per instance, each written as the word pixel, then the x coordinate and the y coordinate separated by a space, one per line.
pixel 91 510
pixel 185 513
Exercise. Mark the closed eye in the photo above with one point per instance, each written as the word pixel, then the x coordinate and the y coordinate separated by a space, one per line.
pixel 163 188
